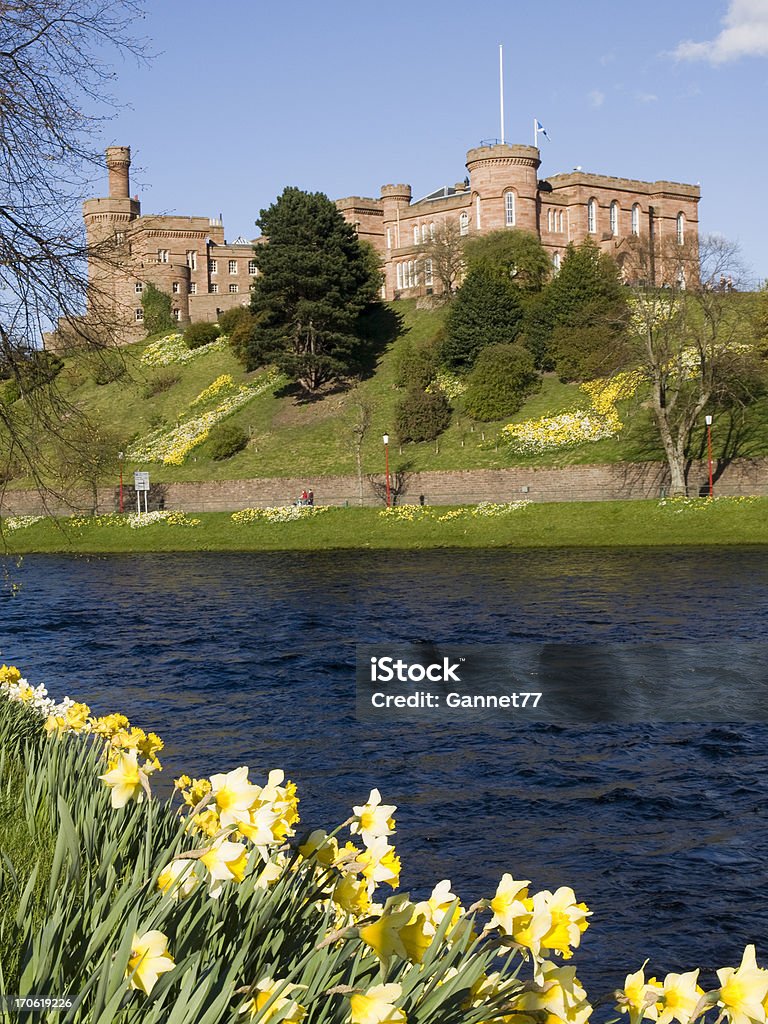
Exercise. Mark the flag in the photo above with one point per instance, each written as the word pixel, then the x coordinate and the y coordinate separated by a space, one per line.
pixel 541 129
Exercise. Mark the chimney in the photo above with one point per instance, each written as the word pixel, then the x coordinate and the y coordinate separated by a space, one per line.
pixel 118 164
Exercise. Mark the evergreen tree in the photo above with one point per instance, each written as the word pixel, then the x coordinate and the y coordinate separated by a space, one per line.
pixel 516 255
pixel 486 311
pixel 503 377
pixel 315 279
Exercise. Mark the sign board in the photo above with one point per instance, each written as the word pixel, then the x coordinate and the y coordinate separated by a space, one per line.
pixel 141 481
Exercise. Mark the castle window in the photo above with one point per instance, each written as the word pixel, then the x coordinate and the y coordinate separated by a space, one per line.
pixel 138 287
pixel 399 270
pixel 213 289
pixel 175 287
pixel 191 259
pixel 415 234
pixel 233 288
pixel 192 288
pixel 428 273
pixel 176 315
pixel 119 237
pixel 411 275
pixel 560 222
pixel 233 266
pixel 680 228
pixel 556 262
pixel 432 230
pixel 614 218
pixel 477 212
pixel 592 216
pixel 389 238
pixel 549 220
pixel 252 268
pixel 139 316
pixel 636 219
pixel 464 224
pixel 423 232
pixel 509 210
pixel 213 266
pixel 162 255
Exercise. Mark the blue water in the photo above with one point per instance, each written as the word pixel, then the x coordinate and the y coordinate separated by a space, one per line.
pixel 249 659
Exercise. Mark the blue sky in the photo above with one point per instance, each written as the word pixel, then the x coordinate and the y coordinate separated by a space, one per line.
pixel 244 99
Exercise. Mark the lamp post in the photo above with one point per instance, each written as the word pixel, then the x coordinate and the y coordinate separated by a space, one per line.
pixel 708 421
pixel 386 468
pixel 121 456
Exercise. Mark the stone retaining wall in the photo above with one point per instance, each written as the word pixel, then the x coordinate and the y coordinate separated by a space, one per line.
pixel 571 483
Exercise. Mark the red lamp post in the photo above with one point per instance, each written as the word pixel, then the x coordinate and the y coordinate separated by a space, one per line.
pixel 386 469
pixel 121 456
pixel 708 421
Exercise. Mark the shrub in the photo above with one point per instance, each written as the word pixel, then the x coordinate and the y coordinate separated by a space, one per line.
pixel 157 310
pixel 422 415
pixel 162 381
pixel 225 440
pixel 504 375
pixel 416 365
pixel 585 351
pixel 107 367
pixel 197 335
pixel 230 318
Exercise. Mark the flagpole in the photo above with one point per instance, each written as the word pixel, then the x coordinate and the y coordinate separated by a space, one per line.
pixel 501 90
pixel 535 132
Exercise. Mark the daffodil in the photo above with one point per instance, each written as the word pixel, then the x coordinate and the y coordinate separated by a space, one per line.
pixel 177 879
pixel 507 905
pixel 743 990
pixel 289 1009
pixel 373 819
pixel 380 863
pixel 225 862
pixel 638 998
pixel 125 779
pixel 383 934
pixel 351 894
pixel 679 997
pixel 234 794
pixel 568 919
pixel 560 995
pixel 377 1005
pixel 149 959
pixel 321 846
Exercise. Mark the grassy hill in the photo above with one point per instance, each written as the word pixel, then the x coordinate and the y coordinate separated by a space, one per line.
pixel 290 435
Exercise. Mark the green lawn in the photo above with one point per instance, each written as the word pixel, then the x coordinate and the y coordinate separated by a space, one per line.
pixel 291 436
pixel 723 521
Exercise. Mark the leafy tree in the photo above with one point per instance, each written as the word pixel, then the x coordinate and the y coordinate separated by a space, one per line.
pixel 695 345
pixel 515 255
pixel 226 440
pixel 584 352
pixel 486 311
pixel 587 294
pixel 157 310
pixel 315 280
pixel 502 378
pixel 445 250
pixel 422 415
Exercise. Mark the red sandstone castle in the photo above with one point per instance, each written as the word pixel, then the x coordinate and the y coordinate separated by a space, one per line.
pixel 189 258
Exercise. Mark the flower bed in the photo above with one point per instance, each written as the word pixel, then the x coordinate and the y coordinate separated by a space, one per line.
pixel 416 513
pixel 681 504
pixel 172 349
pixel 278 514
pixel 172 446
pixel 20 522
pixel 219 912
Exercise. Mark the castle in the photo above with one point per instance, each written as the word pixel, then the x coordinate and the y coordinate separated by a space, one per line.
pixel 189 258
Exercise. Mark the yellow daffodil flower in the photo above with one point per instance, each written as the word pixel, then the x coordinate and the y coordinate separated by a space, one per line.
pixel 383 935
pixel 679 997
pixel 373 819
pixel 178 879
pixel 377 1005
pixel 743 990
pixel 149 959
pixel 507 905
pixel 234 794
pixel 568 919
pixel 125 779
pixel 638 998
pixel 321 846
pixel 225 862
pixel 380 863
pixel 289 1009
pixel 351 894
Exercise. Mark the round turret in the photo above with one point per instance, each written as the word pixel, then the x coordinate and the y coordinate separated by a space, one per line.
pixel 398 195
pixel 504 184
pixel 119 165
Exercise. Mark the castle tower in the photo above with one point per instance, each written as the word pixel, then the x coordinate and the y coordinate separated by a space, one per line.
pixel 119 165
pixel 395 199
pixel 504 185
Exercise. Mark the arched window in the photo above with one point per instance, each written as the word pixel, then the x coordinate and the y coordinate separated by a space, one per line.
pixel 399 271
pixel 636 219
pixel 415 234
pixel 509 209
pixel 614 218
pixel 556 262
pixel 477 212
pixel 549 220
pixel 560 222
pixel 428 273
pixel 464 224
pixel 423 232
pixel 592 216
pixel 680 228
pixel 432 230
pixel 389 238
